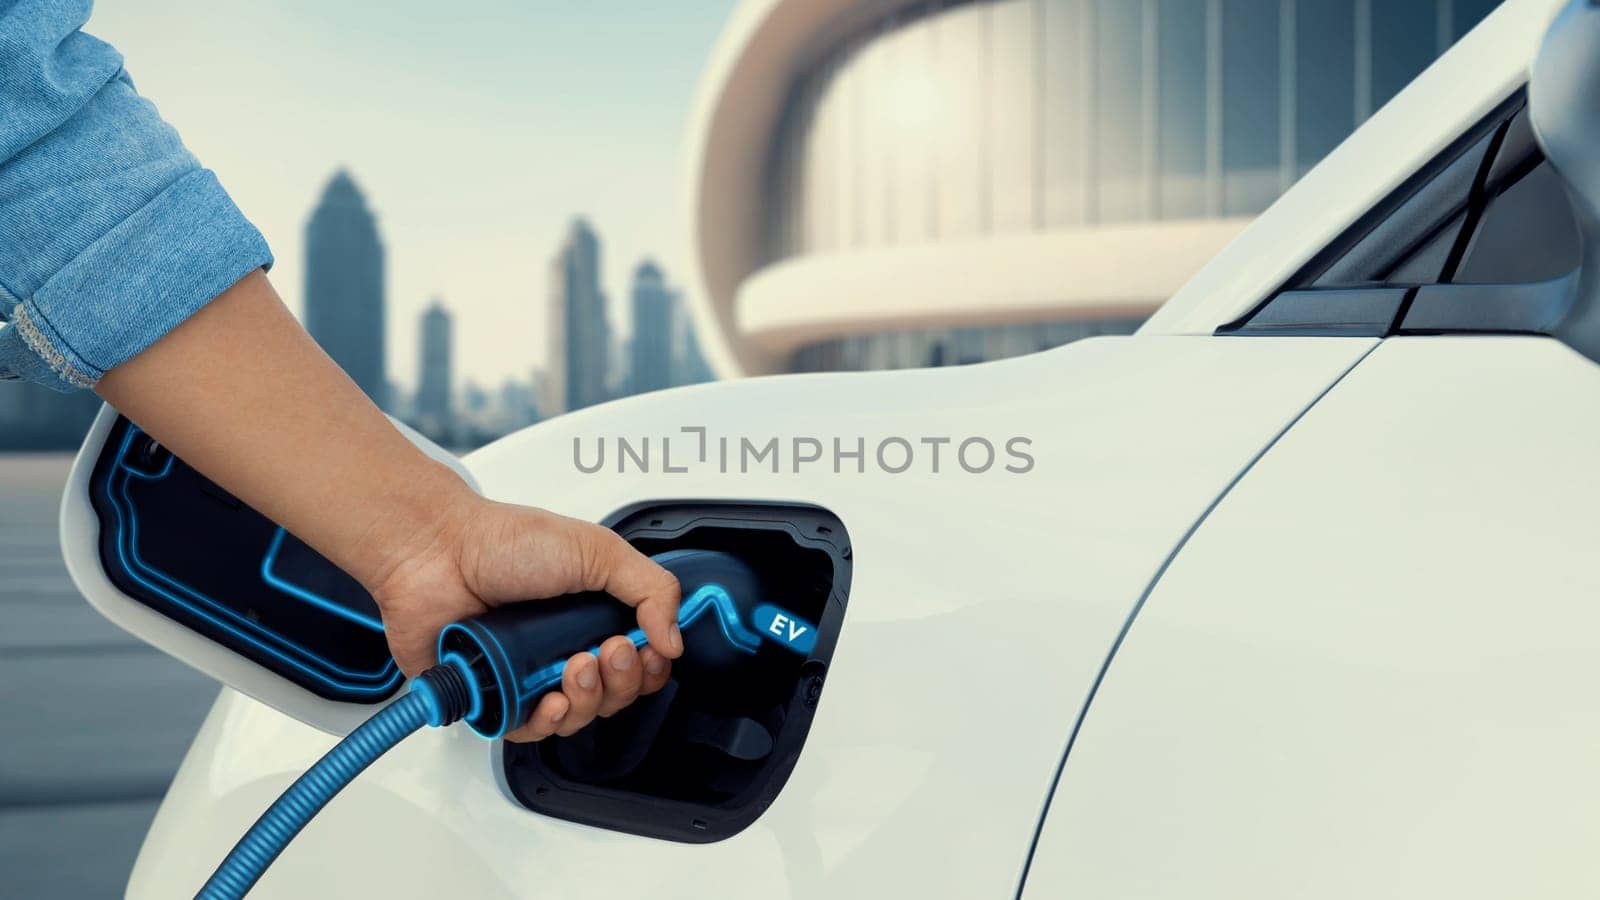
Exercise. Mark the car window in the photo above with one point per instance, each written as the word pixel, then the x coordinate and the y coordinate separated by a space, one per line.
pixel 1491 211
pixel 1488 210
pixel 1526 233
pixel 1408 237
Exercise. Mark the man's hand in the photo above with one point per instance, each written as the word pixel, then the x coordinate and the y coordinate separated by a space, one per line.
pixel 487 554
pixel 240 392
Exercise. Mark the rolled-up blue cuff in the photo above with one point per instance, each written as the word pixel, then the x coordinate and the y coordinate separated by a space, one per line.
pixel 19 362
pixel 137 282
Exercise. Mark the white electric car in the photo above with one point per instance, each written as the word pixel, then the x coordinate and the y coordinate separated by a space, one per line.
pixel 1294 593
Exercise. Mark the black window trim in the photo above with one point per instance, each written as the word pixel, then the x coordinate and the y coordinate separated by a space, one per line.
pixel 1503 172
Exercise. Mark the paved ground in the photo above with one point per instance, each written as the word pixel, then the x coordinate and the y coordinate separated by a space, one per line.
pixel 92 723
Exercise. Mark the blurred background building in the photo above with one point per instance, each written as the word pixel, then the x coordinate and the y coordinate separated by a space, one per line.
pixel 431 412
pixel 689 365
pixel 344 290
pixel 579 331
pixel 654 311
pixel 36 418
pixel 884 184
pixel 517 405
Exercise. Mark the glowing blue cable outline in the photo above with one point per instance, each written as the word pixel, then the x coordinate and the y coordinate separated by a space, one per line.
pixel 453 658
pixel 127 539
pixel 712 597
pixel 500 667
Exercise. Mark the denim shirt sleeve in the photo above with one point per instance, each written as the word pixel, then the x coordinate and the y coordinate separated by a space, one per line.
pixel 111 233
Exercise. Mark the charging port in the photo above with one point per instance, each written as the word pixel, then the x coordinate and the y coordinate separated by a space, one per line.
pixel 700 760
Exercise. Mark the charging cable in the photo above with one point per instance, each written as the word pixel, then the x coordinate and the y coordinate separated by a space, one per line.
pixel 492 670
pixel 437 697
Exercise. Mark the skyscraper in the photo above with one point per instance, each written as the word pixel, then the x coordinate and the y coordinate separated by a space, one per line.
pixel 344 284
pixel 433 413
pixel 689 364
pixel 579 334
pixel 654 307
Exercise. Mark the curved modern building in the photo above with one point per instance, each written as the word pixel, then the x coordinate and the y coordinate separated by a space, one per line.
pixel 886 184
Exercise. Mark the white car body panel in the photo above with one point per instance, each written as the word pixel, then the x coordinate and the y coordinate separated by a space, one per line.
pixel 1372 671
pixel 980 614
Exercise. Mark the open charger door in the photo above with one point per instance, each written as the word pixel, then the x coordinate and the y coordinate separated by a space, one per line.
pixel 179 563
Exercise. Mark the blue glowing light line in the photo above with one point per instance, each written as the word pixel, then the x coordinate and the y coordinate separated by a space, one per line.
pixel 388 684
pixel 267 562
pixel 317 600
pixel 452 658
pixel 127 540
pixel 499 667
pixel 712 597
pixel 235 616
pixel 166 468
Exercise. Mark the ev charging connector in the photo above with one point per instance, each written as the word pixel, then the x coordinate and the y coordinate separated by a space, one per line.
pixel 494 668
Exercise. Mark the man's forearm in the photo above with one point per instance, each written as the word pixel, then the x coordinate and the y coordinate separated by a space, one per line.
pixel 242 393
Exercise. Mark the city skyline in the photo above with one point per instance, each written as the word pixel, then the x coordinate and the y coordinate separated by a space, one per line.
pixel 590 365
pixel 476 133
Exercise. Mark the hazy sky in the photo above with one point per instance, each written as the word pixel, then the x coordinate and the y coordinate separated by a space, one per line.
pixel 477 129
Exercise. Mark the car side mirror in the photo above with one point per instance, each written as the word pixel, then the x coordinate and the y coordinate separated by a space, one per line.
pixel 1563 85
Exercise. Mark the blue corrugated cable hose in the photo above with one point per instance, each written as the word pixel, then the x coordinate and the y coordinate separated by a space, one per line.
pixel 494 668
pixel 250 858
